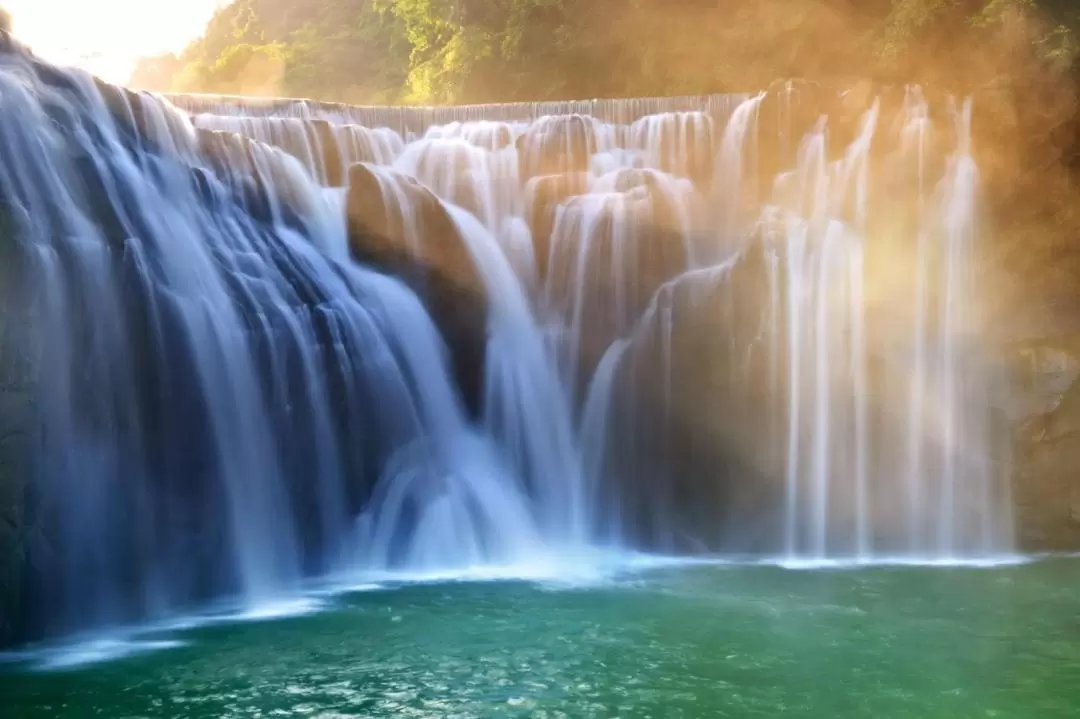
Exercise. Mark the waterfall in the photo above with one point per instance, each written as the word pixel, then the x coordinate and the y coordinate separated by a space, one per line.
pixel 729 181
pixel 831 223
pixel 282 340
pixel 229 403
pixel 827 356
pixel 526 409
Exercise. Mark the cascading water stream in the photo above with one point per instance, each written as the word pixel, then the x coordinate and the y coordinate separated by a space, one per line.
pixel 729 181
pixel 213 359
pixel 481 175
pixel 233 405
pixel 525 407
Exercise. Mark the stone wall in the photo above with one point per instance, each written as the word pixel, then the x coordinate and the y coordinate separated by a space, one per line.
pixel 1042 408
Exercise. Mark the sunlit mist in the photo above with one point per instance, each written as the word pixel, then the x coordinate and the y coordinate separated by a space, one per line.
pixel 107 37
pixel 534 357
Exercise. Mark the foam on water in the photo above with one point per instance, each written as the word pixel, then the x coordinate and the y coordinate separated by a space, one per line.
pixel 280 609
pixel 81 653
pixel 578 571
pixel 579 566
pixel 990 562
pixel 122 642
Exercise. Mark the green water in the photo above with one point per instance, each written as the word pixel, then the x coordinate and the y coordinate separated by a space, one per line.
pixel 704 641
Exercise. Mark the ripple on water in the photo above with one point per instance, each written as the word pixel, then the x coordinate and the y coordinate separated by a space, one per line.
pixel 727 641
pixel 580 570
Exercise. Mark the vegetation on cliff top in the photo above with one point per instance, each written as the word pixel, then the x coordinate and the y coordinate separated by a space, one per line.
pixel 456 51
pixel 1020 57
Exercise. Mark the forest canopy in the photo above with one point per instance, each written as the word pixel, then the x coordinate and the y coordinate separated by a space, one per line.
pixel 465 51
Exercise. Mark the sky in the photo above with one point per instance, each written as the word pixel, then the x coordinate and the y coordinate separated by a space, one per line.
pixel 106 37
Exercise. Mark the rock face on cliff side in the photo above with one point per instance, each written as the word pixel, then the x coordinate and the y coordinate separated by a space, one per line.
pixel 1042 410
pixel 17 431
pixel 16 420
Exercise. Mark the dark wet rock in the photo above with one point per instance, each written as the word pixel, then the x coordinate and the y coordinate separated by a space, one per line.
pixel 335 173
pixel 695 416
pixel 18 430
pixel 441 271
pixel 613 251
pixel 544 194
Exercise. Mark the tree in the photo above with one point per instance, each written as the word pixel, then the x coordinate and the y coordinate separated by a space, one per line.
pixel 455 51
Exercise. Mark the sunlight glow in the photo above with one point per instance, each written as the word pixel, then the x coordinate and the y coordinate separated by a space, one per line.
pixel 107 37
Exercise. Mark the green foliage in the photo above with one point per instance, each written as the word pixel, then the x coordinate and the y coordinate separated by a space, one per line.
pixel 452 51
